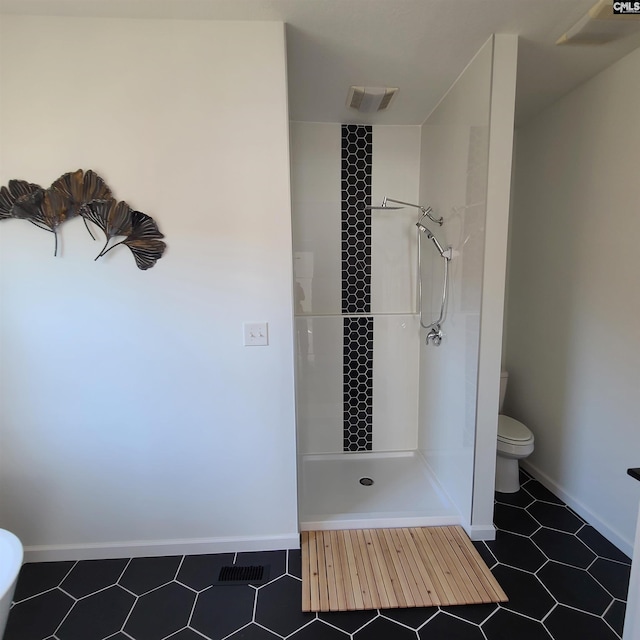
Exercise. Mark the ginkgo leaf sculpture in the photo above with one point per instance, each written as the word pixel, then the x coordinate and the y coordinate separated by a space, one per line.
pixel 144 240
pixel 16 191
pixel 81 188
pixel 45 209
pixel 85 194
pixel 141 231
pixel 113 217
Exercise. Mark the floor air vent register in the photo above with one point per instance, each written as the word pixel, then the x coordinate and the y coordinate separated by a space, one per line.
pixel 234 574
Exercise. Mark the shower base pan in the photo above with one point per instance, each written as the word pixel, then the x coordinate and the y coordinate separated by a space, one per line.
pixel 371 490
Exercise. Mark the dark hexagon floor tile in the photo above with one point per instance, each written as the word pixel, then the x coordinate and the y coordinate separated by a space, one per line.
pixel 600 545
pixel 540 492
pixel 97 616
pixel 569 623
pixel 516 551
pixel 476 613
pixel 555 516
pixel 485 554
pixel 89 576
pixel 348 621
pixel 384 629
pixel 506 625
pixel 613 576
pixel 575 588
pixel 250 632
pixel 144 574
pixel 615 616
pixel 276 560
pixel 161 612
pixel 220 611
pixel 200 572
pixel 525 592
pixel 413 617
pixel 564 547
pixel 518 499
pixel 37 617
pixel 183 634
pixel 278 607
pixel 446 627
pixel 318 630
pixel 514 519
pixel 294 563
pixel 37 577
pixel 524 475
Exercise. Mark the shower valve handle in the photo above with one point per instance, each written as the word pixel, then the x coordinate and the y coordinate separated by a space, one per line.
pixel 435 335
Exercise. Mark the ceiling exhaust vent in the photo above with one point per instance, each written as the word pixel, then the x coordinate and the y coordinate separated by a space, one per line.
pixel 370 99
pixel 601 25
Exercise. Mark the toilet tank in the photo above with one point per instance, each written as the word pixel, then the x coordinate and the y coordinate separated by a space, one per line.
pixel 504 377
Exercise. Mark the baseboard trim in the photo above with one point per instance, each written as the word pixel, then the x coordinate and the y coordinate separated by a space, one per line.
pixel 626 546
pixel 149 548
pixel 481 532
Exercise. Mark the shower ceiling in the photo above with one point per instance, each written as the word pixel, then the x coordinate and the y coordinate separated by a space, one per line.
pixel 420 46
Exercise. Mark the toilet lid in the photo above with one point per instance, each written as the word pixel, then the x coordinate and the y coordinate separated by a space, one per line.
pixel 512 430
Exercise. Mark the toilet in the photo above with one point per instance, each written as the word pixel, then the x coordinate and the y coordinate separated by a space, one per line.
pixel 515 442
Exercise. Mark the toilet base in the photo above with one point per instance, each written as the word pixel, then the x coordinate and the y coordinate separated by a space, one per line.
pixel 507 475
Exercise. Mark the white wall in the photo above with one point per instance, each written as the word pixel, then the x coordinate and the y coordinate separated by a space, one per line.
pixel 133 420
pixel 573 345
pixel 465 173
pixel 316 193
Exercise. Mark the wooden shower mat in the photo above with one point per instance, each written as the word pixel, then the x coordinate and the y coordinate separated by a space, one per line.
pixel 386 568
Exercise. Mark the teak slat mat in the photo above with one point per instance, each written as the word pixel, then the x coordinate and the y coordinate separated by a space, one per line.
pixel 350 570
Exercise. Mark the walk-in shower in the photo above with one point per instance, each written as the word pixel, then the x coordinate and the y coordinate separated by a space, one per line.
pixel 373 399
pixel 358 334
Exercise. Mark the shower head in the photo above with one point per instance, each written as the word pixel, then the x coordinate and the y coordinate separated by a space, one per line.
pixel 426 211
pixel 421 228
pixel 424 229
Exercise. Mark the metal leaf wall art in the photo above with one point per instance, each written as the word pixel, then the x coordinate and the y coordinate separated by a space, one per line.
pixel 84 194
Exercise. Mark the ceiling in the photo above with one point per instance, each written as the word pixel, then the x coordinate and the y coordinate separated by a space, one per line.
pixel 420 46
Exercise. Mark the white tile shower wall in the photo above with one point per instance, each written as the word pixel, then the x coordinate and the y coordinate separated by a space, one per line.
pixel 319 383
pixel 316 174
pixel 454 162
pixel 395 382
pixel 396 158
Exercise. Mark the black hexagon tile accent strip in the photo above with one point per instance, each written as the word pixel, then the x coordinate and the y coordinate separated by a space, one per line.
pixel 358 384
pixel 564 580
pixel 357 145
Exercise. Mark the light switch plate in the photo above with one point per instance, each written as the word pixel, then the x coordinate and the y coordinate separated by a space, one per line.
pixel 256 334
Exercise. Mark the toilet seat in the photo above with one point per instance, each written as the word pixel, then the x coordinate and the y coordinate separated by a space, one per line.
pixel 512 432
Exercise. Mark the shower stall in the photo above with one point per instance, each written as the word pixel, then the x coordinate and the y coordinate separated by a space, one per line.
pixel 395 427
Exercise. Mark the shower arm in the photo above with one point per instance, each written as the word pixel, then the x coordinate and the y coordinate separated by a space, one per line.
pixel 426 211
